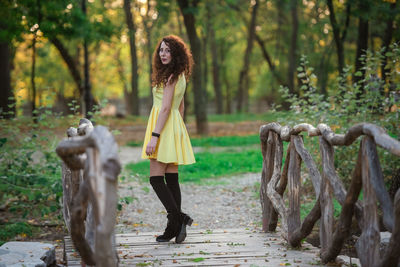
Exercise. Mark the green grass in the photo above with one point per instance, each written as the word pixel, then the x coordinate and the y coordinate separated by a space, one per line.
pixel 216 141
pixel 9 231
pixel 305 208
pixel 238 117
pixel 226 141
pixel 210 165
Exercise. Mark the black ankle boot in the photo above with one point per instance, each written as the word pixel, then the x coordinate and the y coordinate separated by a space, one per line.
pixel 186 220
pixel 173 228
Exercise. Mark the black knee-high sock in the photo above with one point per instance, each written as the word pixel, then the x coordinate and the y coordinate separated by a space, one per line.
pixel 163 193
pixel 173 185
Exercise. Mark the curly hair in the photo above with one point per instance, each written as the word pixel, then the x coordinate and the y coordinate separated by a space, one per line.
pixel 181 61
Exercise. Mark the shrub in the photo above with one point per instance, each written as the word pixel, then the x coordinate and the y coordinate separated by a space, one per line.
pixel 370 100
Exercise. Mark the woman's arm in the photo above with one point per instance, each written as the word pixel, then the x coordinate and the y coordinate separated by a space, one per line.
pixel 182 107
pixel 168 95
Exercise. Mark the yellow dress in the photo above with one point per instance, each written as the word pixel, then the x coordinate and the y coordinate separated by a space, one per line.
pixel 173 144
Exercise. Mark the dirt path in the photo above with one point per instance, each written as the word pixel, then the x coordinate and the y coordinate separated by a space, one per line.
pixel 225 202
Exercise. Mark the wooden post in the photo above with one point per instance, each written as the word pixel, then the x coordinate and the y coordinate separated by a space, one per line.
pixel 294 189
pixel 276 199
pixel 392 253
pixel 328 171
pixel 97 188
pixel 309 162
pixel 343 226
pixel 378 183
pixel 368 243
pixel 268 148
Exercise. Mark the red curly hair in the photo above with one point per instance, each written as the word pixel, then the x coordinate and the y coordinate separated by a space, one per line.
pixel 181 61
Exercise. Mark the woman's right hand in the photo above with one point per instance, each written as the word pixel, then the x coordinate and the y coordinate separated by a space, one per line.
pixel 151 146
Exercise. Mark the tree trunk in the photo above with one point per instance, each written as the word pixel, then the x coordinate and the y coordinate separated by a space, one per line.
pixel 149 48
pixel 87 95
pixel 362 46
pixel 280 21
pixel 222 53
pixel 293 46
pixel 121 74
pixel 33 85
pixel 243 90
pixel 132 45
pixel 71 63
pixel 215 71
pixel 205 64
pixel 200 105
pixel 7 107
pixel 387 38
pixel 271 65
pixel 336 37
pixel 322 72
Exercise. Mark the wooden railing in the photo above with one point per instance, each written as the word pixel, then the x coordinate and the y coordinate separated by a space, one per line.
pixel 90 171
pixel 367 176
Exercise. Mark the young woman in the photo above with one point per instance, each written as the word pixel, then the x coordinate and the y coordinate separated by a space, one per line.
pixel 167 142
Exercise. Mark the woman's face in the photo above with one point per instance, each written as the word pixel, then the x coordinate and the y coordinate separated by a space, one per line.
pixel 165 53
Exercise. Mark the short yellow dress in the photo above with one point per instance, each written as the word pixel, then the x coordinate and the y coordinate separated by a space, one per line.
pixel 174 143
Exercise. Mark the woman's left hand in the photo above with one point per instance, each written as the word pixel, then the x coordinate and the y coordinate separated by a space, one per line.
pixel 151 146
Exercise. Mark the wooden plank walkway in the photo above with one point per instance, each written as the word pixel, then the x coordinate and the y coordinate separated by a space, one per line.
pixel 230 247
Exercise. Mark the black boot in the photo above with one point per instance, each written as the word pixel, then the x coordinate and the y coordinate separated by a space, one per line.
pixel 173 186
pixel 167 199
pixel 172 181
pixel 185 220
pixel 173 228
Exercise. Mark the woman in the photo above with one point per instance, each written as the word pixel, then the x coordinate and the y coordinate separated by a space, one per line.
pixel 167 142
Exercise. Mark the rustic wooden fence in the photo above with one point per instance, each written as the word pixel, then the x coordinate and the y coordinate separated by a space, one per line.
pixel 367 176
pixel 90 171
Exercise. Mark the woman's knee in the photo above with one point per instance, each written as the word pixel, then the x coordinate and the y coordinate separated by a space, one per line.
pixel 157 168
pixel 171 168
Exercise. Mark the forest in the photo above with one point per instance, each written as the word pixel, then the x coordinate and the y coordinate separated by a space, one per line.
pixel 335 62
pixel 89 52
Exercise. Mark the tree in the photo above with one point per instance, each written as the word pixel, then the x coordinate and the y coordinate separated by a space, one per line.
pixel 362 43
pixel 388 36
pixel 243 90
pixel 337 35
pixel 10 29
pixel 7 103
pixel 87 88
pixel 267 57
pixel 148 22
pixel 292 55
pixel 62 21
pixel 134 65
pixel 200 106
pixel 214 59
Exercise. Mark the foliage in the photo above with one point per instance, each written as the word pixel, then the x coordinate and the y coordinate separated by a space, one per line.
pixel 11 230
pixel 370 100
pixel 30 170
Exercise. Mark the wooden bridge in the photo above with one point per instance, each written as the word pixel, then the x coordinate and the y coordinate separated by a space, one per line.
pixel 90 197
pixel 231 247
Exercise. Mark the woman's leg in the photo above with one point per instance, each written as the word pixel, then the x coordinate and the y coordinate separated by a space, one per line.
pixel 157 171
pixel 171 178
